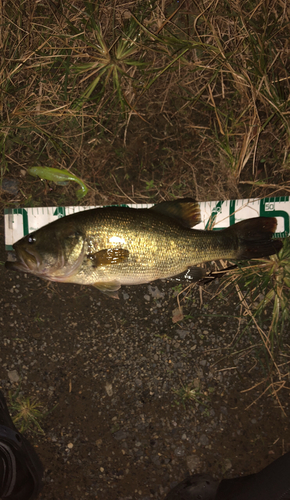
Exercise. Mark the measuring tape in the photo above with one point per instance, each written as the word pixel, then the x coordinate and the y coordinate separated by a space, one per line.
pixel 214 215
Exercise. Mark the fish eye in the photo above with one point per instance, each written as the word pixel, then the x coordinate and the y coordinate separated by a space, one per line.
pixel 31 239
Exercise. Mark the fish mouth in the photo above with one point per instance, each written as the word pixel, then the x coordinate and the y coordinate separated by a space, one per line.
pixel 48 267
pixel 25 261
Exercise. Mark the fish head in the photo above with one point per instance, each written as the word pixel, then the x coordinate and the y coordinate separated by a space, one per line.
pixel 54 252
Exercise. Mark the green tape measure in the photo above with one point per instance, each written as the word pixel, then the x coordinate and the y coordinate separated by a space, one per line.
pixel 214 215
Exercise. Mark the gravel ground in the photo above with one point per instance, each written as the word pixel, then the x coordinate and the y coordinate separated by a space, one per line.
pixel 116 378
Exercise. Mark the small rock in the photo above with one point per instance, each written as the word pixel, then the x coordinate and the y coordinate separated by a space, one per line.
pixel 10 186
pixel 155 459
pixel 120 435
pixel 109 389
pixel 182 333
pixel 13 376
pixel 227 465
pixel 155 292
pixel 224 410
pixel 36 335
pixel 196 383
pixel 179 451
pixel 203 440
pixel 192 462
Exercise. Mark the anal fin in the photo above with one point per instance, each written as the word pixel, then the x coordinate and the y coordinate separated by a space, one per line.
pixel 109 288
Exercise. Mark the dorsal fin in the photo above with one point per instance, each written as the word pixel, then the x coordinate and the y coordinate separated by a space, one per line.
pixel 185 211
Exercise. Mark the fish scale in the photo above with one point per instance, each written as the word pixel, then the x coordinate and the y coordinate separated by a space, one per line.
pixel 156 249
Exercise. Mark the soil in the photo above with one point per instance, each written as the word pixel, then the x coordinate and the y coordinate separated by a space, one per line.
pixel 115 377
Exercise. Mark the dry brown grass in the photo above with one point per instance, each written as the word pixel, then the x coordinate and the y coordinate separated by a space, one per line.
pixel 167 99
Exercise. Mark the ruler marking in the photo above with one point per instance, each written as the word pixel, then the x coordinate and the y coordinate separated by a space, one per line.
pixel 221 214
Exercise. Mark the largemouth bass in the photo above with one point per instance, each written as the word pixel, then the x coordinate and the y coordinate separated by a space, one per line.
pixel 114 246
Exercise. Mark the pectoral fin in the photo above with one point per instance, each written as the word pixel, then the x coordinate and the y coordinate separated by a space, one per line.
pixel 185 211
pixel 109 288
pixel 109 256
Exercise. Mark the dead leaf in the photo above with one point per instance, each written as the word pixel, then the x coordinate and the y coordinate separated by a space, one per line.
pixel 177 314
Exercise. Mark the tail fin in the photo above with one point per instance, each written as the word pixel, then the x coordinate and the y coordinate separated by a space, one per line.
pixel 255 237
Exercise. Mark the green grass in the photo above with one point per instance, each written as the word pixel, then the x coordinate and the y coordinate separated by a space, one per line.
pixel 189 394
pixel 26 412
